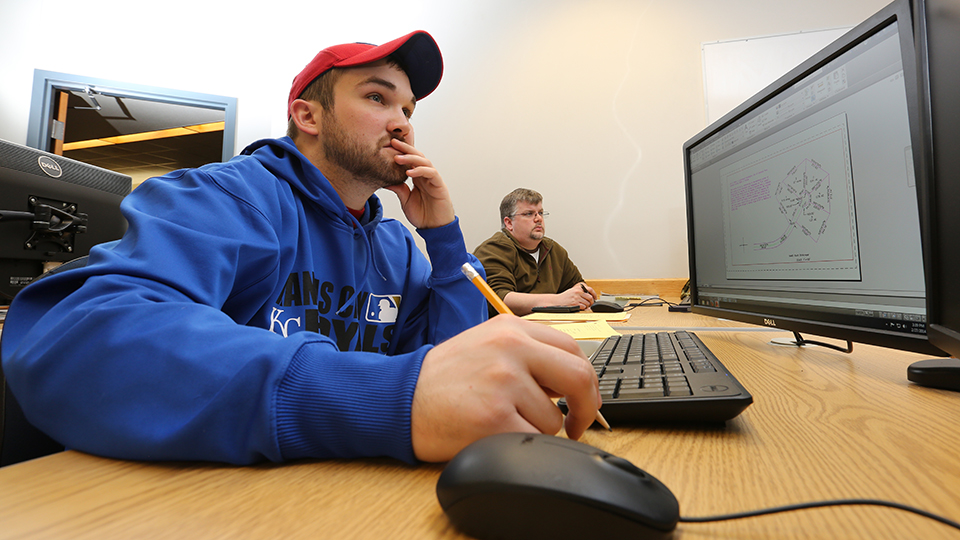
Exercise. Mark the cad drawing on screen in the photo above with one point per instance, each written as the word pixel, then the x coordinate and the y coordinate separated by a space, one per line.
pixel 789 208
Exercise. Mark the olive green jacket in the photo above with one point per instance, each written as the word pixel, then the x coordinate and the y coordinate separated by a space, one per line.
pixel 510 268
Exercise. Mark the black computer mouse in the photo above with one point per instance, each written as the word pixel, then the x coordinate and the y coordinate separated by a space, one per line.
pixel 530 486
pixel 606 306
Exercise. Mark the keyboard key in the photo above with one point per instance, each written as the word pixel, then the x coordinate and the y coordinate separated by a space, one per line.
pixel 640 393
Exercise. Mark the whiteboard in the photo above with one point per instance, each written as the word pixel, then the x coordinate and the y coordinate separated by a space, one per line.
pixel 735 70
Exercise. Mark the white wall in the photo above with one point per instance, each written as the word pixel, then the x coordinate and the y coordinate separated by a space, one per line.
pixel 587 102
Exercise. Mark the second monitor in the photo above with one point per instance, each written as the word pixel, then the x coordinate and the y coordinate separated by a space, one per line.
pixel 802 202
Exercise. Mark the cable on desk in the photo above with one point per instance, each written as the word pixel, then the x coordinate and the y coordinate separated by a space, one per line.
pixel 659 302
pixel 821 504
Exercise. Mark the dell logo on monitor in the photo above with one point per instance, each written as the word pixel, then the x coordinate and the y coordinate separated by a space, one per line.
pixel 770 322
pixel 49 166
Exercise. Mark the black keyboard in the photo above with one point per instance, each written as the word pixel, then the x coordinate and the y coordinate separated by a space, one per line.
pixel 664 377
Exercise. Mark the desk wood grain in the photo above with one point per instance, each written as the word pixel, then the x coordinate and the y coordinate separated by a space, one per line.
pixel 824 425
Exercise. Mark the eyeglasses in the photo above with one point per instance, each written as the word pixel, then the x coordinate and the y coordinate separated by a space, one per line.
pixel 529 215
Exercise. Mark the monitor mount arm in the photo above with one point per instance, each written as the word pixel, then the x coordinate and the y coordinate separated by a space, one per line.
pixel 49 224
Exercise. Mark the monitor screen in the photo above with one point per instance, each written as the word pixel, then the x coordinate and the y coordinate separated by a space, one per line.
pixel 939 171
pixel 802 202
pixel 52 209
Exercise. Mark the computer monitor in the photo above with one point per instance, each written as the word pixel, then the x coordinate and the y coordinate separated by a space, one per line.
pixel 802 202
pixel 938 40
pixel 52 209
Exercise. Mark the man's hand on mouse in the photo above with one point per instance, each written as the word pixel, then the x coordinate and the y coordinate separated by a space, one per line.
pixel 579 295
pixel 500 377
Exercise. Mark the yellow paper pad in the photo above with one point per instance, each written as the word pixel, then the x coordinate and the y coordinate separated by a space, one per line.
pixel 578 317
pixel 587 330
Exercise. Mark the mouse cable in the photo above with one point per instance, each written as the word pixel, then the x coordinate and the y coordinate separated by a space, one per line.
pixel 659 302
pixel 821 504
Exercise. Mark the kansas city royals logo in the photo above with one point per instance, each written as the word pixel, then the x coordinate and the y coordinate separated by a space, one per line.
pixel 284 325
pixel 382 308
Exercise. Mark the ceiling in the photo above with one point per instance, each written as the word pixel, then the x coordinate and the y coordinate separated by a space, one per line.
pixel 145 159
pixel 98 116
pixel 126 115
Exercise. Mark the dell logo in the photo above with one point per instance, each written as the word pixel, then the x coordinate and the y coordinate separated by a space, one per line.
pixel 770 322
pixel 50 167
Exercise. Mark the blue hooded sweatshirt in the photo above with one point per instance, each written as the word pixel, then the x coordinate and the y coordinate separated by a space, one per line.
pixel 246 315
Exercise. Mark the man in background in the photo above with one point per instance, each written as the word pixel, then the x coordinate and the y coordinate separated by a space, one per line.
pixel 524 267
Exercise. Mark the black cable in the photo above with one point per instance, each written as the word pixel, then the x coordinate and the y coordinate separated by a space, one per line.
pixel 659 302
pixel 821 504
pixel 633 305
pixel 11 215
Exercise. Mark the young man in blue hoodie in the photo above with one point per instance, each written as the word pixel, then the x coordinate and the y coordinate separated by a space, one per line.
pixel 264 309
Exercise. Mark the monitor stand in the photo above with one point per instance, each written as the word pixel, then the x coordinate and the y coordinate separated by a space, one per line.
pixel 943 373
pixel 800 341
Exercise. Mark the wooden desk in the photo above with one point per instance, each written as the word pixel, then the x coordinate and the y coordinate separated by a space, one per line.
pixel 824 425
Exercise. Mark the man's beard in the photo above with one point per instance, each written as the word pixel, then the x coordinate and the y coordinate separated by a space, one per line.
pixel 350 155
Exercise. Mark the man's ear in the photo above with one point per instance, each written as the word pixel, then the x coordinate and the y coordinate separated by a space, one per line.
pixel 508 224
pixel 306 115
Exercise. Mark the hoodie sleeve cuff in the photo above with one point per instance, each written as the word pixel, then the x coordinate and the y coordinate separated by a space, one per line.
pixel 446 249
pixel 333 404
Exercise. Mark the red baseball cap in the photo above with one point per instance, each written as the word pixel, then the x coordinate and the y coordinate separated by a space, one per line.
pixel 417 53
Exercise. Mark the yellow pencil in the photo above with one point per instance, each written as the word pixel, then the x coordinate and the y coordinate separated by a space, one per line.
pixel 501 307
pixel 484 288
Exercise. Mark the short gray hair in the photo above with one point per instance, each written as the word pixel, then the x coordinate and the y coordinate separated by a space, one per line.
pixel 508 206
